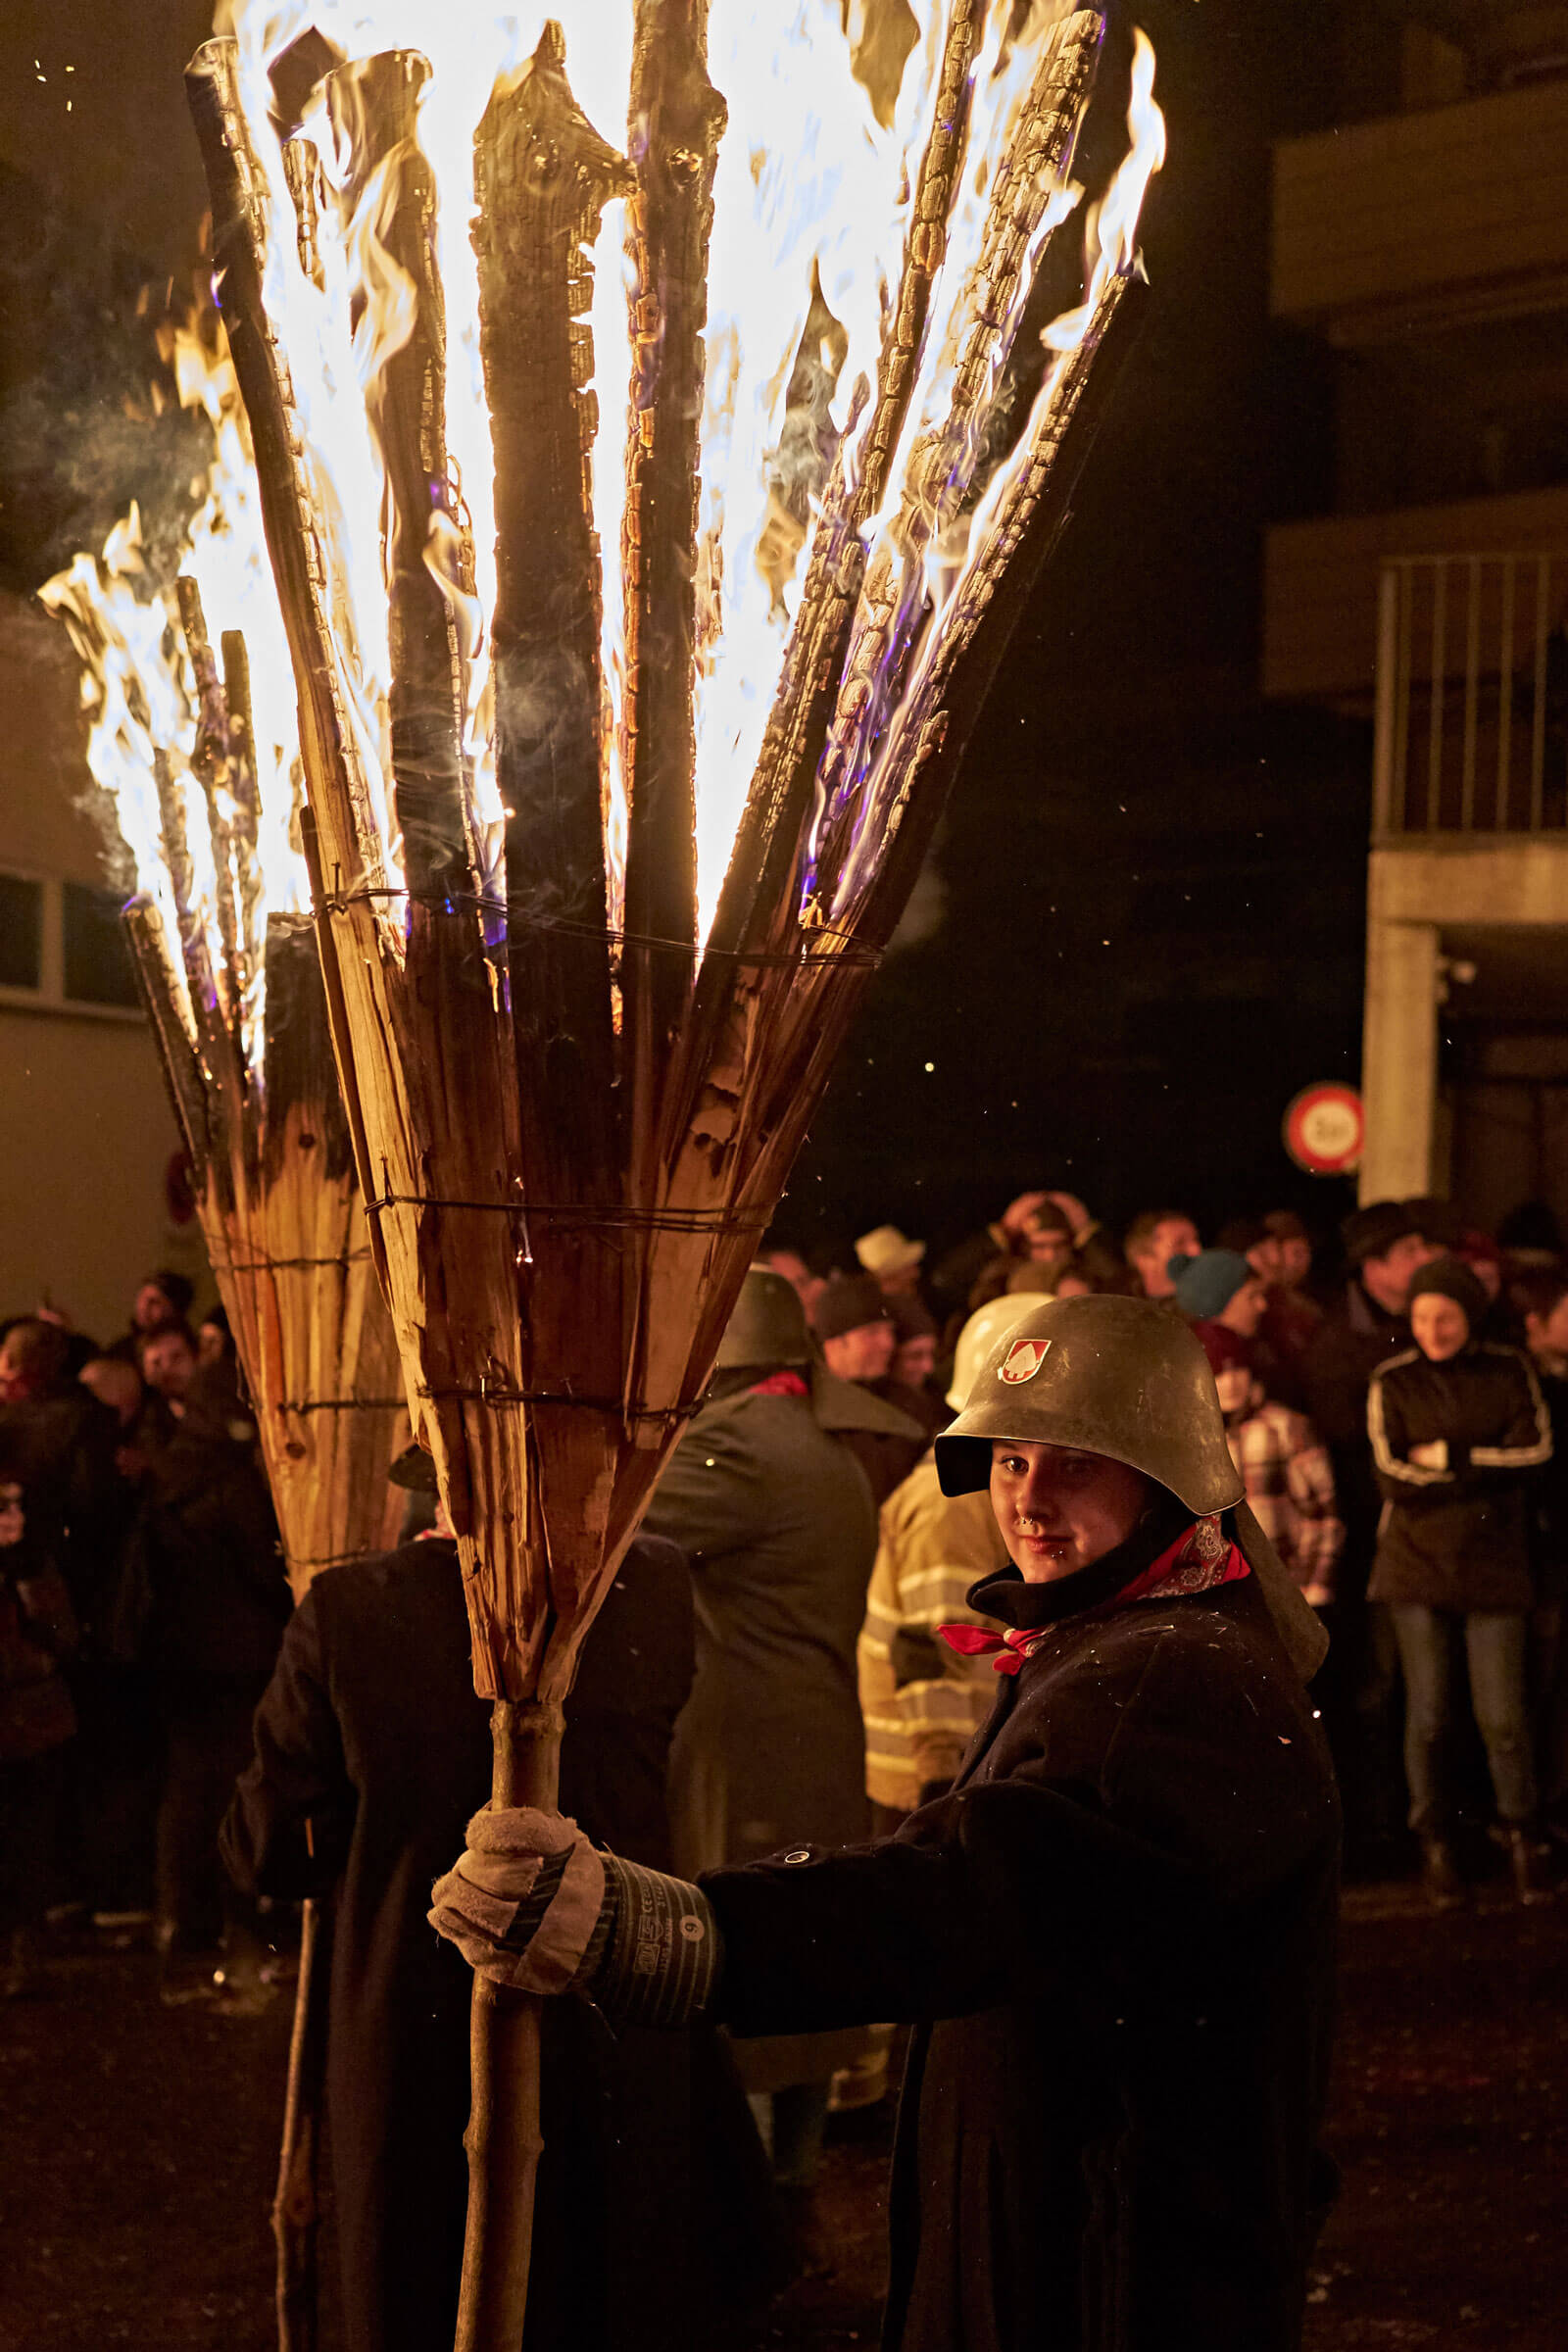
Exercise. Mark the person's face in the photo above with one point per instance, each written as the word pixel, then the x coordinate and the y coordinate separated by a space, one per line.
pixel 1296 1261
pixel 1387 1278
pixel 210 1345
pixel 12 1517
pixel 168 1365
pixel 1488 1273
pixel 1244 1309
pixel 1264 1259
pixel 152 1310
pixel 1173 1236
pixel 901 1282
pixel 792 1267
pixel 915 1361
pixel 864 1353
pixel 1547 1335
pixel 13 1381
pixel 1441 1326
pixel 1046 1244
pixel 1234 1387
pixel 1059 1510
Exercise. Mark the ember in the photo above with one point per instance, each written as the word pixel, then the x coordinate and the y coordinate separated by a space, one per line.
pixel 608 815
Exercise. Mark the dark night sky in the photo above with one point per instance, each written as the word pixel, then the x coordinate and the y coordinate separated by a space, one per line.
pixel 1151 885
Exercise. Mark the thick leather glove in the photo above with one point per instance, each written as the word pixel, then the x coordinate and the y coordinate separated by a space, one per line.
pixel 531 1904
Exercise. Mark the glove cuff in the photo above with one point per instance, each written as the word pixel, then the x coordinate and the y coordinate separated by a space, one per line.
pixel 664 1953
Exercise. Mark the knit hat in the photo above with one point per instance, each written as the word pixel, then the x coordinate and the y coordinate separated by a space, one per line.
pixel 1207 1284
pixel 886 1251
pixel 1372 1231
pixel 910 1320
pixel 1452 1278
pixel 1222 1347
pixel 848 1303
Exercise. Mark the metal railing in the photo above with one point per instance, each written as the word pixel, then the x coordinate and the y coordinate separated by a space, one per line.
pixel 1471 696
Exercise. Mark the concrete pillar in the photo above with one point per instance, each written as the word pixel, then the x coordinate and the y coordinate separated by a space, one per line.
pixel 1399 1060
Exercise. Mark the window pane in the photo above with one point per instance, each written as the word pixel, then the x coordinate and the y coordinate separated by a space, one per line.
pixel 21 931
pixel 97 960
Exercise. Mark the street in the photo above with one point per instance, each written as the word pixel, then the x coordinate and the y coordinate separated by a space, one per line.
pixel 139 2151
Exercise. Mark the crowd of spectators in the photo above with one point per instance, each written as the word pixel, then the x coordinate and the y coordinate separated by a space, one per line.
pixel 1388 1393
pixel 143 1597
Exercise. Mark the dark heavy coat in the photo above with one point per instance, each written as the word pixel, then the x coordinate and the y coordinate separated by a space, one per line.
pixel 1456 1535
pixel 205 1554
pixel 370 1731
pixel 777 1521
pixel 1354 1337
pixel 1116 1935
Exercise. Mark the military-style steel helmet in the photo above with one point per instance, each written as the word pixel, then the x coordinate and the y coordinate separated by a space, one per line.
pixel 767 1326
pixel 1122 1377
pixel 978 1339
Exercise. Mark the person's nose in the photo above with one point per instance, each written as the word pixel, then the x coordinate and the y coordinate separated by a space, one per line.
pixel 1039 1496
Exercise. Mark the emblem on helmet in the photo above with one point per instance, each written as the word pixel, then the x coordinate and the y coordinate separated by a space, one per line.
pixel 1023 1360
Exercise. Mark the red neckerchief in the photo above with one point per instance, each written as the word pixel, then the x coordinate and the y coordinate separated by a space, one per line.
pixel 780 1384
pixel 1197 1561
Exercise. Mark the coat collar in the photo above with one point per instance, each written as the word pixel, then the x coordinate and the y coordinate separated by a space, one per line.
pixel 1006 1596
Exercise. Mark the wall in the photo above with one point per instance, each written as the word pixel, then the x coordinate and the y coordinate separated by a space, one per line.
pixel 88 1131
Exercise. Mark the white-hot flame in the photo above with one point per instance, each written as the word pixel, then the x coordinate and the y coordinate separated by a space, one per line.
pixel 140 695
pixel 810 220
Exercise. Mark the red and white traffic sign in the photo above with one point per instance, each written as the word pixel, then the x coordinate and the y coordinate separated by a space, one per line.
pixel 1325 1128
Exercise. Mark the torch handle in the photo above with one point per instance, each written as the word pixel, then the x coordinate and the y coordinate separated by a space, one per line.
pixel 504 2140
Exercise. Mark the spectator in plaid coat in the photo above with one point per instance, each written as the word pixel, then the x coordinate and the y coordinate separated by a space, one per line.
pixel 1283 1463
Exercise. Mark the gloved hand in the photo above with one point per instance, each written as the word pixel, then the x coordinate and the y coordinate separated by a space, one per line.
pixel 531 1904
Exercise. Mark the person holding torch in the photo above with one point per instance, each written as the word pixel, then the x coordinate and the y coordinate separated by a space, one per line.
pixel 1113 1936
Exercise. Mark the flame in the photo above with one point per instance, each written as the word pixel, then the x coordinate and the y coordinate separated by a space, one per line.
pixel 140 694
pixel 811 219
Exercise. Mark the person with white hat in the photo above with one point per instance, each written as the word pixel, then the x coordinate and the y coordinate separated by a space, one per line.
pixel 1114 1935
pixel 922 1700
pixel 892 1257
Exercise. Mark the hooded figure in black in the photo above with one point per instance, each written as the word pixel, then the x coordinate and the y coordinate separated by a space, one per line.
pixel 1114 1936
pixel 371 1750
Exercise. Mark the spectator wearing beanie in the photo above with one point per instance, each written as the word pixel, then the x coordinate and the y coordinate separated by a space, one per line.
pixel 852 1323
pixel 1276 1249
pixel 1218 1286
pixel 1459 1426
pixel 1283 1464
pixel 909 1383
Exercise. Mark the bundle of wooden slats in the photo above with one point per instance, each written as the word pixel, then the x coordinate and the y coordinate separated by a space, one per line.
pixel 573 1117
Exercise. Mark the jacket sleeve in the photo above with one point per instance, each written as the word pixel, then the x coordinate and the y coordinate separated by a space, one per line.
pixel 1398 1477
pixel 287 1829
pixel 1022 1888
pixel 1527 1442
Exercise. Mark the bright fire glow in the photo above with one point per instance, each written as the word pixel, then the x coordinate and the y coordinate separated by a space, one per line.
pixel 139 691
pixel 811 217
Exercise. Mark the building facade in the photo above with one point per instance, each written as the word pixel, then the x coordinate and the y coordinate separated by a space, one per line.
pixel 89 1198
pixel 1422 242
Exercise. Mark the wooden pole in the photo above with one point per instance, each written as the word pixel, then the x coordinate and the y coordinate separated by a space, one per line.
pixel 296 2203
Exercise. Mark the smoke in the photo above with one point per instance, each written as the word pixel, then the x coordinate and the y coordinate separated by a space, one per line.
pixel 925 910
pixel 88 418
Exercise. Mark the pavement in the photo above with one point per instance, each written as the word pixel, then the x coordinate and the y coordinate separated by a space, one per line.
pixel 137 2146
